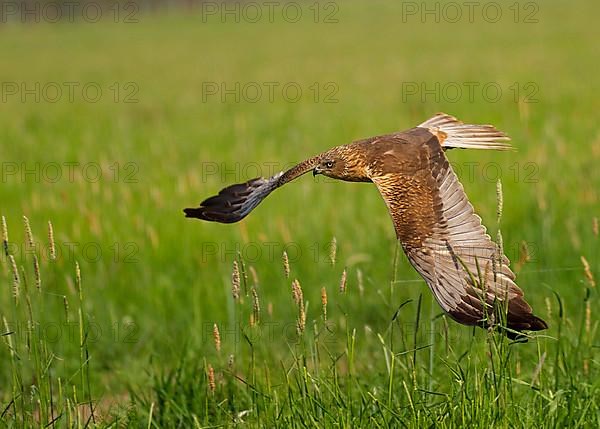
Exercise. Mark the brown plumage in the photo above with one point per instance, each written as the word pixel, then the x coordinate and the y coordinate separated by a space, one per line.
pixel 439 231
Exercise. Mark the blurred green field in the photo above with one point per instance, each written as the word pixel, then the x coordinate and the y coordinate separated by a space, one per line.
pixel 154 283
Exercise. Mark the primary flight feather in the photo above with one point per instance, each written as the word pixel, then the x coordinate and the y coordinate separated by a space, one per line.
pixel 439 231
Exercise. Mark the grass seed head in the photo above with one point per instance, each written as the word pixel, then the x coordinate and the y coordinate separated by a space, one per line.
pixel 28 233
pixel 297 292
pixel 499 200
pixel 588 317
pixel 36 271
pixel 255 305
pixel 324 302
pixel 588 272
pixel 286 265
pixel 235 281
pixel 211 379
pixel 51 242
pixel 595 226
pixel 217 337
pixel 4 236
pixel 16 278
pixel 333 251
pixel 301 325
pixel 500 245
pixel 78 278
pixel 343 281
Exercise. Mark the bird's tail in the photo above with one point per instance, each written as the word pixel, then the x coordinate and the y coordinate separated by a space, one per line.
pixel 234 202
pixel 520 318
pixel 453 133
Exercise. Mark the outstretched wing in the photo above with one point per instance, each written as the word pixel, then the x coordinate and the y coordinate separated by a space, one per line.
pixel 453 133
pixel 234 202
pixel 447 244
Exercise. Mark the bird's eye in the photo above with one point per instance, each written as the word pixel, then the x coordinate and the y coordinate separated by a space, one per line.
pixel 328 164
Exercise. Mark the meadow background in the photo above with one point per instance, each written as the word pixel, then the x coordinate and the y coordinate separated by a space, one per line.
pixel 164 112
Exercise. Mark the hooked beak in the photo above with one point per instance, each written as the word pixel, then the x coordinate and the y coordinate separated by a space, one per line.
pixel 316 171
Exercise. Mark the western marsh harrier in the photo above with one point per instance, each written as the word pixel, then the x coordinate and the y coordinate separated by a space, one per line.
pixel 439 231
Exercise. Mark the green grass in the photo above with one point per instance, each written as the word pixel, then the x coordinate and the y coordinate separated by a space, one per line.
pixel 136 337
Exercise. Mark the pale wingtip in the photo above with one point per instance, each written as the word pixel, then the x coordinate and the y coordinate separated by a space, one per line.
pixel 453 133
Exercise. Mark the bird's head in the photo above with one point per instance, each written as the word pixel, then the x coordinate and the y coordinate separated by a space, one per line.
pixel 342 163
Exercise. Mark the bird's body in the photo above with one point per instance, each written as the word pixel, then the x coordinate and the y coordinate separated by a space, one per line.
pixel 435 223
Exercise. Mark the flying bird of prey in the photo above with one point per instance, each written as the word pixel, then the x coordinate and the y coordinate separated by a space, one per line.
pixel 435 223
